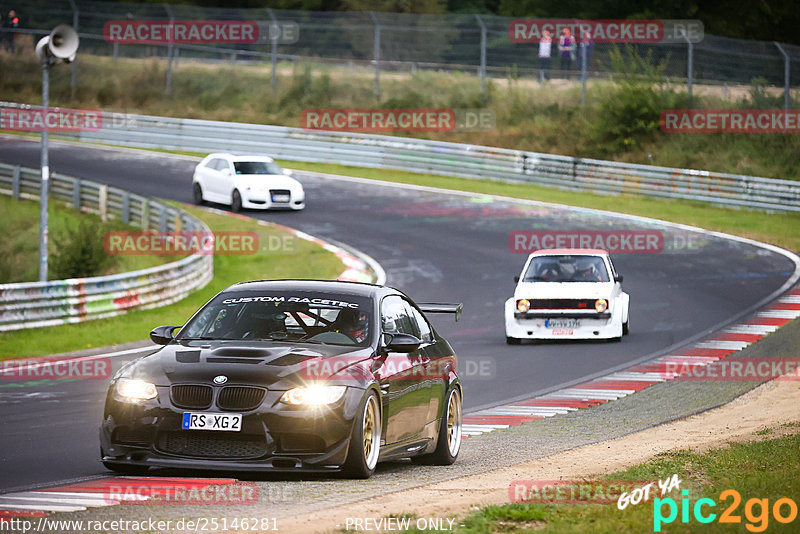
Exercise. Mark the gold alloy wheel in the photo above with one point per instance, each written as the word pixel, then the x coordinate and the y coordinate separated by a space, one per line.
pixel 454 422
pixel 372 432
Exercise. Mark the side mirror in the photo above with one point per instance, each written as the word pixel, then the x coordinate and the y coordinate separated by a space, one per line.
pixel 226 171
pixel 516 279
pixel 618 278
pixel 288 172
pixel 403 343
pixel 162 335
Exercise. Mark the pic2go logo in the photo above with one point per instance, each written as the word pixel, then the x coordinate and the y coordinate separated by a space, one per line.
pixel 758 521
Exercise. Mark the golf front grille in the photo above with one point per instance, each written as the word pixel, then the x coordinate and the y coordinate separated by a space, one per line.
pixel 204 444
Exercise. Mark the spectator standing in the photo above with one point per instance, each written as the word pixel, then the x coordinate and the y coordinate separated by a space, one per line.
pixel 585 49
pixel 566 46
pixel 545 51
pixel 10 35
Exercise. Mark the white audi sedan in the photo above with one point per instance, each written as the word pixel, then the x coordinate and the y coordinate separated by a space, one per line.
pixel 567 294
pixel 255 182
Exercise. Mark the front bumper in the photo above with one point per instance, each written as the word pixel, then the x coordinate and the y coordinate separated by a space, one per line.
pixel 262 200
pixel 273 437
pixel 538 324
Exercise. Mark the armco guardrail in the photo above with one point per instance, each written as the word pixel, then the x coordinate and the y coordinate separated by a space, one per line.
pixel 37 304
pixel 447 159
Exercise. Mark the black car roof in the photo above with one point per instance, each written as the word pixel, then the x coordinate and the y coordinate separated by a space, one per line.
pixel 320 286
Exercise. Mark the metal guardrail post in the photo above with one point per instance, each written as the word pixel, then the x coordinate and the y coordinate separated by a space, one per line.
pixel 145 215
pixel 377 53
pixel 786 76
pixel 102 201
pixel 126 207
pixel 483 54
pixel 162 220
pixel 76 195
pixel 15 182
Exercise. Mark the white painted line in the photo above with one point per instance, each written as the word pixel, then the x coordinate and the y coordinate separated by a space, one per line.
pixel 761 329
pixel 41 507
pixel 522 411
pixel 481 428
pixel 779 314
pixel 686 359
pixel 74 499
pixel 610 391
pixel 634 375
pixel 723 344
pixel 595 394
pixel 790 299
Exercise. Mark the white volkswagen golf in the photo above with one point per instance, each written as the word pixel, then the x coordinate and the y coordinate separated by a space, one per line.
pixel 255 182
pixel 567 294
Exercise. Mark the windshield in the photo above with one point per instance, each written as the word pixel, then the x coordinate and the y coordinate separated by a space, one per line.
pixel 284 316
pixel 256 167
pixel 566 269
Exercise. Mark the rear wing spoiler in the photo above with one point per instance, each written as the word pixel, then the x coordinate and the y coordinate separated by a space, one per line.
pixel 443 308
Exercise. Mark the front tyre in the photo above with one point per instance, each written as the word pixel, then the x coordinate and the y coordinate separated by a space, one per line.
pixel 197 194
pixel 236 201
pixel 365 440
pixel 449 442
pixel 513 340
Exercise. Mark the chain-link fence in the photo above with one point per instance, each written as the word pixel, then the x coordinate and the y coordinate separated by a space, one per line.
pixel 405 42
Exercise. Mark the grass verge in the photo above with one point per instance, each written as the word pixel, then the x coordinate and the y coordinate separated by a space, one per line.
pixel 763 470
pixel 297 259
pixel 19 248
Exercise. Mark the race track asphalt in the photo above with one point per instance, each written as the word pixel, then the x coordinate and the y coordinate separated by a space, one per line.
pixel 436 247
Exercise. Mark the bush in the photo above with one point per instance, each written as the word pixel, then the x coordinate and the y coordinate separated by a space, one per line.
pixel 629 115
pixel 79 252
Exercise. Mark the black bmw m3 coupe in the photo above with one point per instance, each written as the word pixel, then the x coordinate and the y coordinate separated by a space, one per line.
pixel 290 375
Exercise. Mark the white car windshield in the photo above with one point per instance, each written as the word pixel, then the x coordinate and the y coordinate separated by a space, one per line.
pixel 567 268
pixel 256 167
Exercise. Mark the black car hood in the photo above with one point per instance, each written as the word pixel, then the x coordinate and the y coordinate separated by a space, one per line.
pixel 279 365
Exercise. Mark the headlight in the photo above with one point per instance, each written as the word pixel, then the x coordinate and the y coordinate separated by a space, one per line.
pixel 313 395
pixel 600 305
pixel 523 305
pixel 133 390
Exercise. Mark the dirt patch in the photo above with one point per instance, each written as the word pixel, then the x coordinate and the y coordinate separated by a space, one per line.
pixel 771 406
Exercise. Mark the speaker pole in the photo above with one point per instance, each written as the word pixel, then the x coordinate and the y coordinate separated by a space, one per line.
pixel 45 164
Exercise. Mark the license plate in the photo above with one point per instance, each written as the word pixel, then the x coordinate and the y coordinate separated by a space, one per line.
pixel 562 323
pixel 280 198
pixel 228 422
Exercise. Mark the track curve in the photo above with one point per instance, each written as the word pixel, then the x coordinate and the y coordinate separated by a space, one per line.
pixel 436 246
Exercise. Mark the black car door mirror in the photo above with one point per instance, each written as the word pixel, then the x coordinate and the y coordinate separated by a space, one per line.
pixel 162 335
pixel 402 342
pixel 618 278
pixel 516 279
